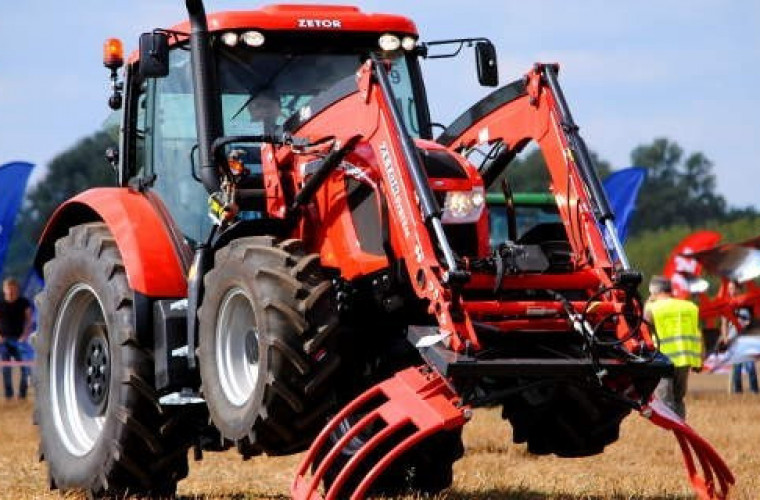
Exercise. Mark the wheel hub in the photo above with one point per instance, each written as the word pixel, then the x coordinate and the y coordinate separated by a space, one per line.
pixel 80 369
pixel 97 370
pixel 237 347
pixel 251 347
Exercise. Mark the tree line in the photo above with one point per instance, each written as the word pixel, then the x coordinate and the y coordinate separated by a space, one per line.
pixel 78 168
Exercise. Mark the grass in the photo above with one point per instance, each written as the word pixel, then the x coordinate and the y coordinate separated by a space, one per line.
pixel 644 464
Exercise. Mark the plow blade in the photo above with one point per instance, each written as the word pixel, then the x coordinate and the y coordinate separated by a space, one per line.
pixel 375 430
pixel 716 478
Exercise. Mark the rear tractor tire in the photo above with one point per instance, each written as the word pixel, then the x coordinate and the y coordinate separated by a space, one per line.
pixel 101 427
pixel 267 345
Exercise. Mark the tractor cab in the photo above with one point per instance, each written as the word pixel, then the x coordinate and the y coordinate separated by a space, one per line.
pixel 266 70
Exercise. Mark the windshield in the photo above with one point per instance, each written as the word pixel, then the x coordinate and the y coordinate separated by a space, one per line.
pixel 261 90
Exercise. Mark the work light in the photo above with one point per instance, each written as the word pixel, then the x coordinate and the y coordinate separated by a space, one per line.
pixel 463 207
pixel 253 38
pixel 408 43
pixel 230 38
pixel 389 42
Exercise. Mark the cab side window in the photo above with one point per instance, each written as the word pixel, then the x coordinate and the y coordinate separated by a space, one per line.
pixel 170 140
pixel 141 126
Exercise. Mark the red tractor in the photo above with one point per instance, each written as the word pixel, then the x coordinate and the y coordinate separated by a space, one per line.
pixel 290 245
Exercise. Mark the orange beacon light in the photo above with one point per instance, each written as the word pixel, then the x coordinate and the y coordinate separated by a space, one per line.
pixel 113 54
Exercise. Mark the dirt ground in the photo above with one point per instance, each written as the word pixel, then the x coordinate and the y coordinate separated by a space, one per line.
pixel 644 464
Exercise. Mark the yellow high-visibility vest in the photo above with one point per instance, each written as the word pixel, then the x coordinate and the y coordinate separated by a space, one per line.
pixel 676 322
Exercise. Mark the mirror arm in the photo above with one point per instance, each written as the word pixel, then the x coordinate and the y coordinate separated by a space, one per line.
pixel 117 88
pixel 423 50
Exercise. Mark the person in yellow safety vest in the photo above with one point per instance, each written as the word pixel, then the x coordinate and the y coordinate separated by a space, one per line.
pixel 676 323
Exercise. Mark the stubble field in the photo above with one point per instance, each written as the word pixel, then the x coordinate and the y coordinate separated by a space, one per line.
pixel 644 464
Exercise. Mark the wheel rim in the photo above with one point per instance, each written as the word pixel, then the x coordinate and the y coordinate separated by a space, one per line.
pixel 80 370
pixel 237 347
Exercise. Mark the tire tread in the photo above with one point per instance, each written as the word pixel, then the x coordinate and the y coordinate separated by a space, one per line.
pixel 295 300
pixel 137 457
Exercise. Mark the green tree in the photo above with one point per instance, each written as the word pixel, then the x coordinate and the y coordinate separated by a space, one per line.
pixel 678 189
pixel 78 168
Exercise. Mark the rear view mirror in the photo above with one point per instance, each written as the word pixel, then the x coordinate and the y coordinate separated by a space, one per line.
pixel 154 55
pixel 488 70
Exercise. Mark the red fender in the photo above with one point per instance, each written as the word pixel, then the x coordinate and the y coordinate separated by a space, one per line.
pixel 154 258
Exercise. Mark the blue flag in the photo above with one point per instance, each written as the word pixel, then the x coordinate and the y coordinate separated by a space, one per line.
pixel 622 189
pixel 13 177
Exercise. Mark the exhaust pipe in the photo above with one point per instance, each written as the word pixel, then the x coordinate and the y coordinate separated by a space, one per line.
pixel 208 118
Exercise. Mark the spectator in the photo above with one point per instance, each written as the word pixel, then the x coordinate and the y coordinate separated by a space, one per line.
pixel 15 327
pixel 729 331
pixel 676 323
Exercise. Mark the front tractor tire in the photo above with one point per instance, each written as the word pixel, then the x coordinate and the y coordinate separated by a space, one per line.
pixel 267 331
pixel 102 429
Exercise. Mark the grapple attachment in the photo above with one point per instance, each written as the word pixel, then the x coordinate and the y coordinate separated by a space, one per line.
pixel 716 478
pixel 375 430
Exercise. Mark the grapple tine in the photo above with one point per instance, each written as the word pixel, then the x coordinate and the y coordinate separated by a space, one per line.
pixel 336 449
pixel 383 463
pixel 307 489
pixel 357 459
pixel 692 444
pixel 417 400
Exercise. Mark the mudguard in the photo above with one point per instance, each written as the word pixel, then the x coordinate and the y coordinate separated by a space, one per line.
pixel 154 254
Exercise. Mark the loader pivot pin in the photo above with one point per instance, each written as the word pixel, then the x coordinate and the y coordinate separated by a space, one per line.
pixel 404 410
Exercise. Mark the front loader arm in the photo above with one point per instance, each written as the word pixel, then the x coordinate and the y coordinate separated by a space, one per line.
pixel 533 109
pixel 414 215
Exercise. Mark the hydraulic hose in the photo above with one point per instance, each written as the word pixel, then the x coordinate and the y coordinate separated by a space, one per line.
pixel 428 205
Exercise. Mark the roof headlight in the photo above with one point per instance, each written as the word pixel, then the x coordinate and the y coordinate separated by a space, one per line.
pixel 408 43
pixel 253 38
pixel 230 38
pixel 389 42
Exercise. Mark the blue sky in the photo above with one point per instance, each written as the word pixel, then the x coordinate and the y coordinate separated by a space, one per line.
pixel 632 71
